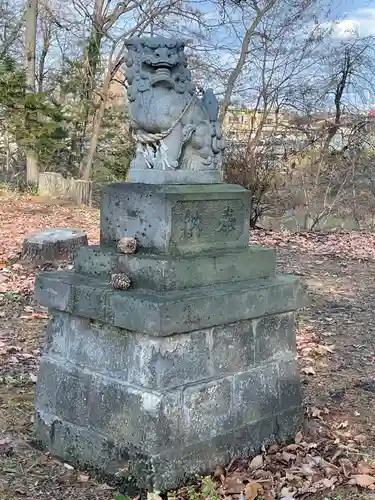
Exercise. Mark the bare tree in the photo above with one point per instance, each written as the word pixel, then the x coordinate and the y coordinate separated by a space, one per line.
pixel 11 23
pixel 259 14
pixel 47 25
pixel 329 167
pixel 30 68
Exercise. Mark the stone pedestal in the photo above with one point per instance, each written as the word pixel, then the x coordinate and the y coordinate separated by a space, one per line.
pixel 192 366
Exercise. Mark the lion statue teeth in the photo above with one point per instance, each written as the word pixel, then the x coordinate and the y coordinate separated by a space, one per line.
pixel 173 127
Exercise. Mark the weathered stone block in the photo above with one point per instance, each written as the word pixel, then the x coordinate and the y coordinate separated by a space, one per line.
pixel 55 289
pixel 113 351
pixel 290 386
pixel 155 363
pixel 165 313
pixel 90 300
pixel 97 378
pixel 232 347
pixel 289 422
pixel 146 419
pixel 156 272
pixel 90 450
pixel 68 389
pixel 74 385
pixel 176 360
pixel 250 438
pixel 49 374
pixel 56 342
pixel 257 394
pixel 274 335
pixel 178 219
pixel 95 261
pixel 207 410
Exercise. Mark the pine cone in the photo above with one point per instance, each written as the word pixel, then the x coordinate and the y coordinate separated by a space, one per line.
pixel 120 281
pixel 127 245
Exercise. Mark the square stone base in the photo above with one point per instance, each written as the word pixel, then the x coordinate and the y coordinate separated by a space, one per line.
pixel 132 471
pixel 154 411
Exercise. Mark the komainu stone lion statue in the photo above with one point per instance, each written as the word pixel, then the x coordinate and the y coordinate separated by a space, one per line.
pixel 173 127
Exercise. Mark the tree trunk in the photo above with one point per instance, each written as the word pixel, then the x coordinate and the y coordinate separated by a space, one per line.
pixel 7 150
pixel 86 166
pixel 32 169
pixel 42 61
pixel 92 59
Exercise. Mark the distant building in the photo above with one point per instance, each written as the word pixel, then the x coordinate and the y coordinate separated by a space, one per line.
pixel 117 90
pixel 242 124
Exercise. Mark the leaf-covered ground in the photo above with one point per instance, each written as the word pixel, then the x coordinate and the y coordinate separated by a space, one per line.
pixel 332 456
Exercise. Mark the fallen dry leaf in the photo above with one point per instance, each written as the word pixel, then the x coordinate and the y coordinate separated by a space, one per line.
pixel 20 491
pixel 155 495
pixel 274 448
pixel 261 474
pixel 288 457
pixel 315 412
pixel 323 484
pixel 347 467
pixel 256 462
pixel 299 438
pixel 365 468
pixel 220 473
pixel 324 349
pixel 343 425
pixel 307 470
pixel 35 316
pixel 6 447
pixel 287 492
pixel 233 485
pixel 308 370
pixel 292 447
pixel 252 490
pixel 268 495
pixel 363 480
pixel 360 439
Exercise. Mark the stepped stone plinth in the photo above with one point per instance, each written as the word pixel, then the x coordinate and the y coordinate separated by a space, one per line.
pixel 192 366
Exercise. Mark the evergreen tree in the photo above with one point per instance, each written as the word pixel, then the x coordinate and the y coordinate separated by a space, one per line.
pixel 33 122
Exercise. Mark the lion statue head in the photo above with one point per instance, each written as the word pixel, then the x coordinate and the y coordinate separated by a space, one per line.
pixel 156 61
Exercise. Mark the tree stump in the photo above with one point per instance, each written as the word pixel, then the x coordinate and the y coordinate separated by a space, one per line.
pixel 52 244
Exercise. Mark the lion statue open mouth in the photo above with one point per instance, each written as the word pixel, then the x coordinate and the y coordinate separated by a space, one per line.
pixel 173 127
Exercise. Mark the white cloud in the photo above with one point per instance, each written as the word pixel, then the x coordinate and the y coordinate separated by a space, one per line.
pixel 358 23
pixel 347 28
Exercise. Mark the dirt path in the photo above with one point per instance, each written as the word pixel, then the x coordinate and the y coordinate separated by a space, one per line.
pixel 335 344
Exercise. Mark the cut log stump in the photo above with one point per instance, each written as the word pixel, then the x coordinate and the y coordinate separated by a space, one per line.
pixel 52 244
